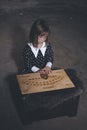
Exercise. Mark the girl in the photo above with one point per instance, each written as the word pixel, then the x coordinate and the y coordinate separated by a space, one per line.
pixel 38 53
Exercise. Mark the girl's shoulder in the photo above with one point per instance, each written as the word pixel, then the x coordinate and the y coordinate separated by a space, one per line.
pixel 26 50
pixel 26 47
pixel 49 45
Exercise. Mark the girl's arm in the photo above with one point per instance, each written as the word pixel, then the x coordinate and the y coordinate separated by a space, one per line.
pixel 28 66
pixel 50 56
pixel 26 61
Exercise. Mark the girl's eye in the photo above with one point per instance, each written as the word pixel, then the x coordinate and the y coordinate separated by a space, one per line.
pixel 44 34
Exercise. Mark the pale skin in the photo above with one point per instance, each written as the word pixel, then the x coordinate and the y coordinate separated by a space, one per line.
pixel 45 70
pixel 41 39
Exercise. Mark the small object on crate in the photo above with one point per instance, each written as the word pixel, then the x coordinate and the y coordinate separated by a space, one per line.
pixel 44 76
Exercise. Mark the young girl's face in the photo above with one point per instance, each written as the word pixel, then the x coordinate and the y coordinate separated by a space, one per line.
pixel 42 37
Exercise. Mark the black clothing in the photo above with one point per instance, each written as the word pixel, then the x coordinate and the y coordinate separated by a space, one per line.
pixel 40 61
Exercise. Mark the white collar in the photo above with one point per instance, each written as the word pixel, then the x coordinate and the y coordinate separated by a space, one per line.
pixel 35 50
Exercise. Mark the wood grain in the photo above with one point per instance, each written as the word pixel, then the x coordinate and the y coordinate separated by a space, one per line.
pixel 33 83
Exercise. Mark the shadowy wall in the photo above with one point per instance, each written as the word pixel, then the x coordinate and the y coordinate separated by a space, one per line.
pixel 8 5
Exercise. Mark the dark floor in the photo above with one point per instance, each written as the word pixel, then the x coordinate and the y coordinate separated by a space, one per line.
pixel 69 37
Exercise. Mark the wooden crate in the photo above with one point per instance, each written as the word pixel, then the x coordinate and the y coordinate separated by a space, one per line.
pixel 33 83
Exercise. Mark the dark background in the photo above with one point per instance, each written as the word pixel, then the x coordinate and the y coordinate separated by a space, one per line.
pixel 68 23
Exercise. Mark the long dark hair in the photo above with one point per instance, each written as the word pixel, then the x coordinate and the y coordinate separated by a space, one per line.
pixel 38 28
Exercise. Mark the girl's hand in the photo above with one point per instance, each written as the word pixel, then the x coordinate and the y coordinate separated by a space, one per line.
pixel 46 70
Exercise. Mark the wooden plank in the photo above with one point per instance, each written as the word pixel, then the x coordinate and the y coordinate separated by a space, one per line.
pixel 33 83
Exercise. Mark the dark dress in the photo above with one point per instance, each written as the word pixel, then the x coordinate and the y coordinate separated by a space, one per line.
pixel 29 59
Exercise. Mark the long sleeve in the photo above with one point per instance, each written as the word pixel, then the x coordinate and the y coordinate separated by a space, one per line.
pixel 26 60
pixel 49 55
pixel 29 61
